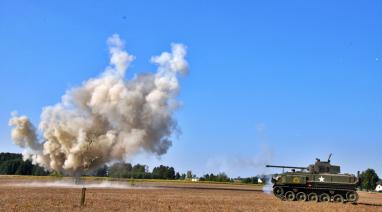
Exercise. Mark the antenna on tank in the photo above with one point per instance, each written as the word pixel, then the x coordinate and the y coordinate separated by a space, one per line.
pixel 330 155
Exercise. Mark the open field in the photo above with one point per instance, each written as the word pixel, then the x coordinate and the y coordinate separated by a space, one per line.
pixel 44 194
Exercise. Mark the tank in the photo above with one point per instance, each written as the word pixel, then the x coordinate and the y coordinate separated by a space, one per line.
pixel 320 181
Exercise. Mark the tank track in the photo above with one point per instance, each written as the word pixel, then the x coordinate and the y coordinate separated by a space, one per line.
pixel 316 194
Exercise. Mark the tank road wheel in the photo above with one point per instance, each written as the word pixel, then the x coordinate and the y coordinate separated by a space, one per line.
pixel 352 196
pixel 324 197
pixel 338 198
pixel 301 196
pixel 290 195
pixel 278 191
pixel 313 197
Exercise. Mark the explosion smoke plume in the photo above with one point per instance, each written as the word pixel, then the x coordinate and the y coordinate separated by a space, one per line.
pixel 108 117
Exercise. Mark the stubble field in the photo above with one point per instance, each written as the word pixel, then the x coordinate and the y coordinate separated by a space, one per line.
pixel 24 194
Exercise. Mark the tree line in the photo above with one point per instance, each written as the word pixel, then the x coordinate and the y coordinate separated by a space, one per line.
pixel 13 164
pixel 138 171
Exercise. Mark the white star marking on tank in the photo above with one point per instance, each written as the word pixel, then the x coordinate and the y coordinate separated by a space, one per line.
pixel 321 179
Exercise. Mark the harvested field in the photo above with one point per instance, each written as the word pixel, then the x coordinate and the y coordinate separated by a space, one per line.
pixel 159 196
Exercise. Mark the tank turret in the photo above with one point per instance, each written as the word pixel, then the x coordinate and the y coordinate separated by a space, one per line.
pixel 320 181
pixel 324 167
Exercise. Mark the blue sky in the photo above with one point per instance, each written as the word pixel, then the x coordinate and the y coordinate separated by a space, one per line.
pixel 279 82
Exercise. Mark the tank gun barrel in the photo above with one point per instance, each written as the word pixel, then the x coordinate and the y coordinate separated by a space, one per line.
pixel 287 167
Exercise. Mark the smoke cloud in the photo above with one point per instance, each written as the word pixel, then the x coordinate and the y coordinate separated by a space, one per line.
pixel 107 118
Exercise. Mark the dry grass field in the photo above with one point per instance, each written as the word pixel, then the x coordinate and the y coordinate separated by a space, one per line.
pixel 28 194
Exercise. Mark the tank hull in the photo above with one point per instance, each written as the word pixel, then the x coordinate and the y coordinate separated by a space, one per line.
pixel 312 187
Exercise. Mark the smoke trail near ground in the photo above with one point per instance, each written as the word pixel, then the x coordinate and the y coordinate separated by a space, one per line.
pixel 107 118
pixel 268 187
pixel 71 184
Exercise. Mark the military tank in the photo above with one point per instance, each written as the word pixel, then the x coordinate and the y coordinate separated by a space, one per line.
pixel 320 181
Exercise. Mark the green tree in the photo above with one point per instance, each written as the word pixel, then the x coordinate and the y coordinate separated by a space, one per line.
pixel 183 176
pixel 10 166
pixel 120 170
pixel 138 168
pixel 177 176
pixel 171 173
pixel 189 174
pixel 369 179
pixel 221 177
pixel 39 171
pixel 25 168
pixel 101 172
pixel 140 171
pixel 163 172
pixel 252 180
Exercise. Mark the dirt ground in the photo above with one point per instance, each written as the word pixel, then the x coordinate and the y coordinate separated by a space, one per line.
pixel 27 195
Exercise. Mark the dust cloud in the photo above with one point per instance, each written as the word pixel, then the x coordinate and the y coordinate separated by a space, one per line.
pixel 107 118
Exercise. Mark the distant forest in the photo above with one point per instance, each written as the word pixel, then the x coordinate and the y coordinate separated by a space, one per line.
pixel 13 164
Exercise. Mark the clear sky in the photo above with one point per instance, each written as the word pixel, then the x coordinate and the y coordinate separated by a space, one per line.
pixel 279 82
